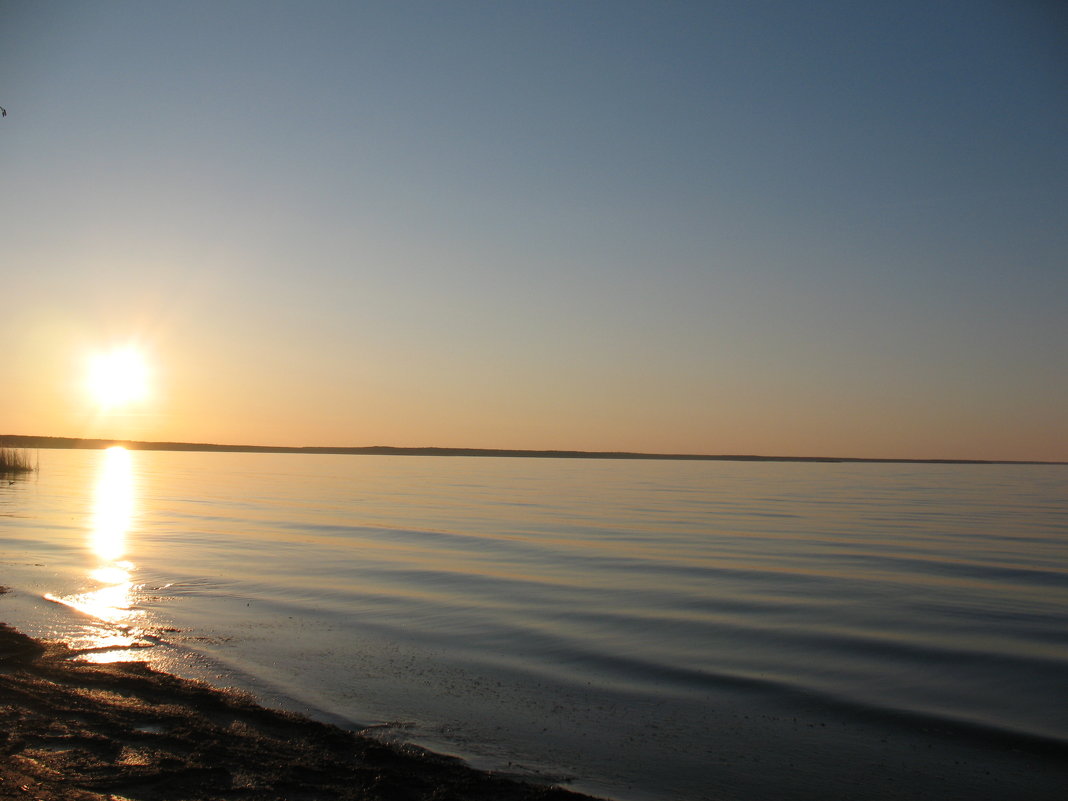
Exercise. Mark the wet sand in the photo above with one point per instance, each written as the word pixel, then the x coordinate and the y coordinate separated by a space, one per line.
pixel 75 730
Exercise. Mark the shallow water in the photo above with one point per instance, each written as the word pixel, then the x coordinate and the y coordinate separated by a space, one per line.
pixel 669 630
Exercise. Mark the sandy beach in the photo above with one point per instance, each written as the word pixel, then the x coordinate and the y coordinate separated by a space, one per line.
pixel 71 729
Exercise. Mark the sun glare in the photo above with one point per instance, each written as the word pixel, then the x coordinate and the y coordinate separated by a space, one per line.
pixel 118 377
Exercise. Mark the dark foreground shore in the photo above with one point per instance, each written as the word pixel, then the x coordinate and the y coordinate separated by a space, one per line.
pixel 81 731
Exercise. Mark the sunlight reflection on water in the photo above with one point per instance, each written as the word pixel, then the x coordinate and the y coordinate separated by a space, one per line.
pixel 113 505
pixel 111 605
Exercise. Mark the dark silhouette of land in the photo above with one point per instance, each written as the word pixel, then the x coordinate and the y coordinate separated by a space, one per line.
pixel 21 441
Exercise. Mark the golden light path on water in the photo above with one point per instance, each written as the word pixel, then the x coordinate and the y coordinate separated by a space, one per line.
pixel 111 604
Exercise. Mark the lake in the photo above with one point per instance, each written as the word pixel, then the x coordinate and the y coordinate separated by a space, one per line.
pixel 633 629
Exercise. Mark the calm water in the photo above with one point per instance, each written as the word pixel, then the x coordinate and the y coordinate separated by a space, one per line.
pixel 668 630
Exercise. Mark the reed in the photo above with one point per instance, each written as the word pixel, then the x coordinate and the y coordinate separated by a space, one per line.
pixel 14 461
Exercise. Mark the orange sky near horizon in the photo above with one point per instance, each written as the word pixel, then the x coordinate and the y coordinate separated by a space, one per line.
pixel 204 400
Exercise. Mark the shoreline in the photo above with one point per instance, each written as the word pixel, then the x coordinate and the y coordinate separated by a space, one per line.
pixel 75 443
pixel 82 731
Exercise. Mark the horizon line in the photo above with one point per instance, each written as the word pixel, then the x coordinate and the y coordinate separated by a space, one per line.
pixel 86 443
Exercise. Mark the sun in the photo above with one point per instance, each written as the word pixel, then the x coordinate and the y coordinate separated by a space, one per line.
pixel 118 377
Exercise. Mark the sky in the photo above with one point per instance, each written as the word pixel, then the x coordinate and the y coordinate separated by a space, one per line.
pixel 778 228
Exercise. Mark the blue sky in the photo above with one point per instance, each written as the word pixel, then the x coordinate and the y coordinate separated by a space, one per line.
pixel 721 227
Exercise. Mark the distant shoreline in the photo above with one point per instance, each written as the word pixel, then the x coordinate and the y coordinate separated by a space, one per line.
pixel 73 443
